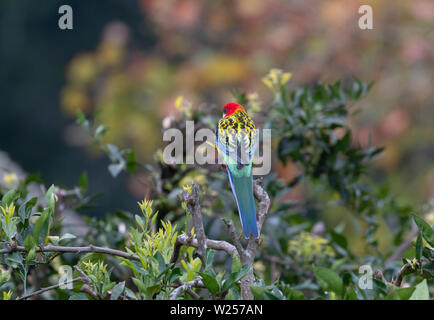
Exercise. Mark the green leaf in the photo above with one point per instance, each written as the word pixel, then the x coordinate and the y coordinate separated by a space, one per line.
pixel 419 247
pixel 10 197
pixel 14 259
pixel 29 243
pixel 351 294
pixel 174 275
pixel 117 290
pixel 140 221
pixel 25 209
pixel 230 295
pixel 51 198
pixel 236 264
pixel 130 294
pixel 151 290
pixel 328 280
pixel 401 294
pixel 273 295
pixel 40 231
pixel 428 252
pixel 421 292
pixel 293 294
pixel 131 162
pixel 67 236
pixel 83 182
pixel 139 284
pixel 78 296
pixel 428 270
pixel 81 118
pixel 234 277
pixel 210 283
pixel 31 254
pixel 425 228
pixel 161 264
pixel 209 258
pixel 211 273
pixel 338 239
pixel 258 292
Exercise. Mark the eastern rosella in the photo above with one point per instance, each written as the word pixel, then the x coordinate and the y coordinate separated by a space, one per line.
pixel 236 139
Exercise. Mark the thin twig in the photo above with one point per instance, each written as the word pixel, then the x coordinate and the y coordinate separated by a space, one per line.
pixel 84 275
pixel 405 269
pixel 42 290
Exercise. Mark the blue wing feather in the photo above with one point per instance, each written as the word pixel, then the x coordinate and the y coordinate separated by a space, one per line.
pixel 242 187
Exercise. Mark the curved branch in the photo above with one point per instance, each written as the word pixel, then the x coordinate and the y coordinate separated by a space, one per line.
pixel 213 244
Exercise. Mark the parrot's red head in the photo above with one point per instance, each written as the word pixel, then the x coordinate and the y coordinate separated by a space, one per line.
pixel 230 108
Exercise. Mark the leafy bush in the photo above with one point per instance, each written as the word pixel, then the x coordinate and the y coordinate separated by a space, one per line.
pixel 179 247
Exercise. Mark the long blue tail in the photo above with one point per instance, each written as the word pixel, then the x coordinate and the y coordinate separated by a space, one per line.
pixel 242 187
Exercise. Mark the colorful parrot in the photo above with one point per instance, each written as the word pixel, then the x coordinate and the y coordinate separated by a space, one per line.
pixel 236 139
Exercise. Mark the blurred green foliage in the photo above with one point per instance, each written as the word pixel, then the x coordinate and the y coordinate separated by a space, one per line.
pixel 203 48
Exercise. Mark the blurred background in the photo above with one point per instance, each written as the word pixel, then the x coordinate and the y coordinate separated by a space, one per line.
pixel 127 62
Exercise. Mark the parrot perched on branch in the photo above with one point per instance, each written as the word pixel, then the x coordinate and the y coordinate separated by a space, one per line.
pixel 236 140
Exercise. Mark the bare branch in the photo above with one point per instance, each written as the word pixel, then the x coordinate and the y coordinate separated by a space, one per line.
pixel 78 250
pixel 192 201
pixel 185 287
pixel 213 244
pixel 81 272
